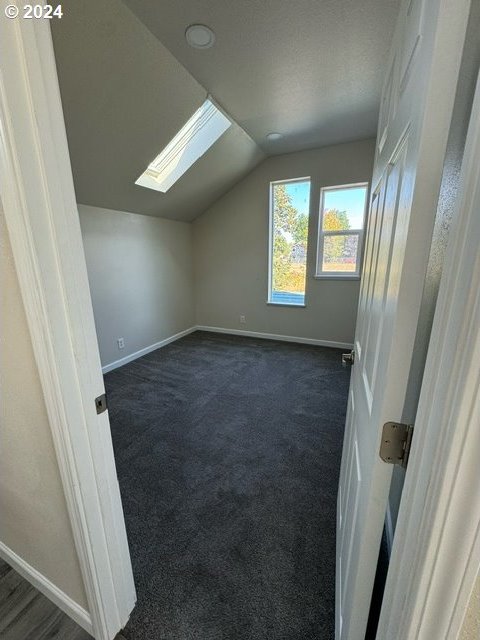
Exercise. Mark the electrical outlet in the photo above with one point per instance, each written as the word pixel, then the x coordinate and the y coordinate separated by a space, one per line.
pixel 242 320
pixel 121 343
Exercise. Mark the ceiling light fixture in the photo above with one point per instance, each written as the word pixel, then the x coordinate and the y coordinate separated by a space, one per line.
pixel 199 36
pixel 271 137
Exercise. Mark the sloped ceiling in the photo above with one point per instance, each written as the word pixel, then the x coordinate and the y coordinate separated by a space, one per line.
pixel 124 97
pixel 309 69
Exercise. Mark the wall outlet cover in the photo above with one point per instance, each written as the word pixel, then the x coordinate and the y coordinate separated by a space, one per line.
pixel 242 320
pixel 121 343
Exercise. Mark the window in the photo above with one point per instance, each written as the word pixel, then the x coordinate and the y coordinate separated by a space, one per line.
pixel 340 231
pixel 289 214
pixel 195 138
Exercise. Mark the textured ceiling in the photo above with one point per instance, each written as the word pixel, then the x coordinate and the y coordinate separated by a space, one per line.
pixel 124 97
pixel 310 69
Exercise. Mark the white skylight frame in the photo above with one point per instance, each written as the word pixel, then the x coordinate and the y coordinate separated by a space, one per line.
pixel 196 136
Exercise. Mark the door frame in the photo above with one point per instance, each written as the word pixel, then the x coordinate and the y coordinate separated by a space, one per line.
pixel 38 199
pixel 424 598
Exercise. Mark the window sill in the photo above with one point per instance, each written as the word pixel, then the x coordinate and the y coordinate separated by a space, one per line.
pixel 286 304
pixel 334 276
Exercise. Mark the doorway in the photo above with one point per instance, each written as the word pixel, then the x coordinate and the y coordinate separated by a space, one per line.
pixel 72 516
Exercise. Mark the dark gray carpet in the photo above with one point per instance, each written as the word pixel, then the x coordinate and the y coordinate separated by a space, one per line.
pixel 228 452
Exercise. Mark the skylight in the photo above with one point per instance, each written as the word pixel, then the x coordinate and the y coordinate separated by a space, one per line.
pixel 201 131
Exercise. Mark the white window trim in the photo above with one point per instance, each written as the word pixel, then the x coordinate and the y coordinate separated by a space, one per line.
pixel 270 241
pixel 340 275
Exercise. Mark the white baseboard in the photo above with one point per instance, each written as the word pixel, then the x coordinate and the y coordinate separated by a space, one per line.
pixel 275 336
pixel 143 352
pixel 43 584
pixel 235 332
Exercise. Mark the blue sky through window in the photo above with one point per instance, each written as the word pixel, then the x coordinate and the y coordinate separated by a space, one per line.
pixel 351 200
pixel 299 193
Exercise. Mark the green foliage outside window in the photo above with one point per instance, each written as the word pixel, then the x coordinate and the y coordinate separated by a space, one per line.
pixel 336 252
pixel 289 243
pixel 290 238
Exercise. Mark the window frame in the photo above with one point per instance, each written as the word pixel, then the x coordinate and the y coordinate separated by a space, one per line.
pixel 320 274
pixel 270 241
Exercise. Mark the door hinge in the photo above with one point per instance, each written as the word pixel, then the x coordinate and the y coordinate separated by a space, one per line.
pixel 396 443
pixel 101 403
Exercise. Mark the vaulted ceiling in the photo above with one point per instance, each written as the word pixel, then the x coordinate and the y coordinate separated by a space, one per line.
pixel 309 69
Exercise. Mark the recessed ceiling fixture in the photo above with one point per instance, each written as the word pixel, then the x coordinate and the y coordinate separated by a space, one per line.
pixel 271 137
pixel 200 36
pixel 196 136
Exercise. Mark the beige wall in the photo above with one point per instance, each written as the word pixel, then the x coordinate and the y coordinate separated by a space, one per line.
pixel 33 515
pixel 140 274
pixel 231 250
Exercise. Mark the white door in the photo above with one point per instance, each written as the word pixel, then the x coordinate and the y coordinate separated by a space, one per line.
pixel 415 114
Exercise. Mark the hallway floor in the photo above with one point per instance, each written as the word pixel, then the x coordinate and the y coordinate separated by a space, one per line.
pixel 228 453
pixel 26 614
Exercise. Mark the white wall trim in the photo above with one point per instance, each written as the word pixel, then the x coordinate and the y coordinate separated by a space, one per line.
pixel 275 336
pixel 236 332
pixel 143 352
pixel 43 584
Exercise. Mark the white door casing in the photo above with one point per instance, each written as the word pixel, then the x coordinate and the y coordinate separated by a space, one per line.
pixel 43 225
pixel 416 109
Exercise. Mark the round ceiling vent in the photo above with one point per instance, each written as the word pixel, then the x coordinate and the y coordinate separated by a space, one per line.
pixel 271 137
pixel 200 36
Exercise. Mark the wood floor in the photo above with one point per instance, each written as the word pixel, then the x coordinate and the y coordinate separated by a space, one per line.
pixel 26 614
